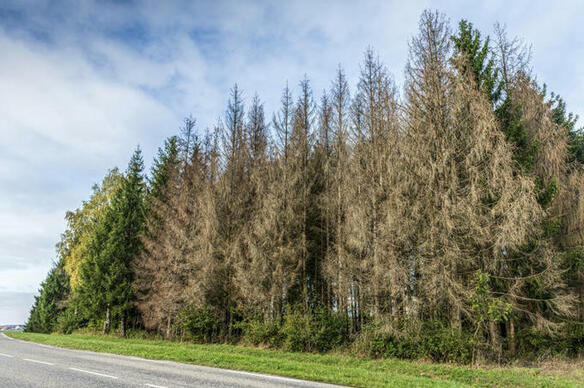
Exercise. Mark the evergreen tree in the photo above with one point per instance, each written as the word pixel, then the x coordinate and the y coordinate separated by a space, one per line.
pixel 156 307
pixel 50 302
pixel 91 292
pixel 124 243
pixel 257 252
pixel 163 169
pixel 107 275
pixel 301 148
pixel 336 196
pixel 273 236
pixel 233 203
pixel 375 149
pixel 282 122
pixel 478 60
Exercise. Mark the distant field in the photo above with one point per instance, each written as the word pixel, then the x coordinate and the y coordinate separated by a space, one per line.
pixel 339 369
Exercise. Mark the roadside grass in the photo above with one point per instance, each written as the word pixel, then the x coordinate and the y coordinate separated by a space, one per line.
pixel 330 368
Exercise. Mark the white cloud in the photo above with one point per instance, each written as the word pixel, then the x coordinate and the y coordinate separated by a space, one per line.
pixel 64 123
pixel 58 95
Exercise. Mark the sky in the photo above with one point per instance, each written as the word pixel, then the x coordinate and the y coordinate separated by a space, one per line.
pixel 83 83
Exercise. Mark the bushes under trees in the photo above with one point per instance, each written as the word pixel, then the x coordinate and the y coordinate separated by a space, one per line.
pixel 197 324
pixel 432 340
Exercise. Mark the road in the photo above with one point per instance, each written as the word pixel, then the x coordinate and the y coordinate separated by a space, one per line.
pixel 29 365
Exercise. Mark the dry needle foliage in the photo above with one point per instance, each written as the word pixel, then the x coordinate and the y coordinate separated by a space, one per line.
pixel 377 207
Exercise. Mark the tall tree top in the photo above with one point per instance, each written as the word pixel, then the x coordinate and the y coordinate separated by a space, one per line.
pixel 257 129
pixel 478 59
pixel 282 120
pixel 135 168
pixel 164 164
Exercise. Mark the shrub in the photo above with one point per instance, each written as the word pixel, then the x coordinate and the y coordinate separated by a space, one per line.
pixel 330 330
pixel 444 344
pixel 411 340
pixel 568 341
pixel 297 330
pixel 534 344
pixel 144 334
pixel 318 331
pixel 573 332
pixel 257 331
pixel 69 321
pixel 197 323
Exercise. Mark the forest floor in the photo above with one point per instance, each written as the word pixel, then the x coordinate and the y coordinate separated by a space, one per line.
pixel 330 368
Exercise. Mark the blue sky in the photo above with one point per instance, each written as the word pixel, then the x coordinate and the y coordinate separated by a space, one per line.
pixel 83 82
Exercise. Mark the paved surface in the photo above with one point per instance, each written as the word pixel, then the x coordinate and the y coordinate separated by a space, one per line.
pixel 30 365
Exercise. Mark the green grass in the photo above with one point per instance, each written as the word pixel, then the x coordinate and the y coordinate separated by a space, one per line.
pixel 331 368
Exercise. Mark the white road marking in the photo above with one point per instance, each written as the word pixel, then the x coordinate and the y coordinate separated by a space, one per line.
pixel 6 355
pixel 273 377
pixel 154 386
pixel 5 336
pixel 93 373
pixel 38 362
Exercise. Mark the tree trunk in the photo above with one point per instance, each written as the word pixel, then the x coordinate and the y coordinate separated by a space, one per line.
pixel 581 295
pixel 123 325
pixel 456 320
pixel 168 325
pixel 360 304
pixel 492 333
pixel 395 309
pixel 106 323
pixel 494 339
pixel 581 317
pixel 511 337
pixel 353 308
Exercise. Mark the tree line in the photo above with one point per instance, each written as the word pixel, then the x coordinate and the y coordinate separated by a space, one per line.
pixel 443 221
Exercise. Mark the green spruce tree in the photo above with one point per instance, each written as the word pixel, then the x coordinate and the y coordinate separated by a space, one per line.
pixel 50 302
pixel 479 59
pixel 124 241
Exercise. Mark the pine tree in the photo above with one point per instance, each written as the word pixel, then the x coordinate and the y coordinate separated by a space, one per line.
pixel 301 148
pixel 157 306
pixel 91 293
pixel 254 267
pixel 513 59
pixel 233 207
pixel 471 211
pixel 375 148
pixel 165 166
pixel 282 122
pixel 124 243
pixel 338 258
pixel 478 59
pixel 273 236
pixel 50 302
pixel 320 213
pixel 107 275
pixel 257 132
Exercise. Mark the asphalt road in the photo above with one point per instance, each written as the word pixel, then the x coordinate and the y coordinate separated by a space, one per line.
pixel 26 364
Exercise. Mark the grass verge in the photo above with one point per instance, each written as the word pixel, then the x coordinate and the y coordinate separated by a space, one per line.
pixel 330 368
